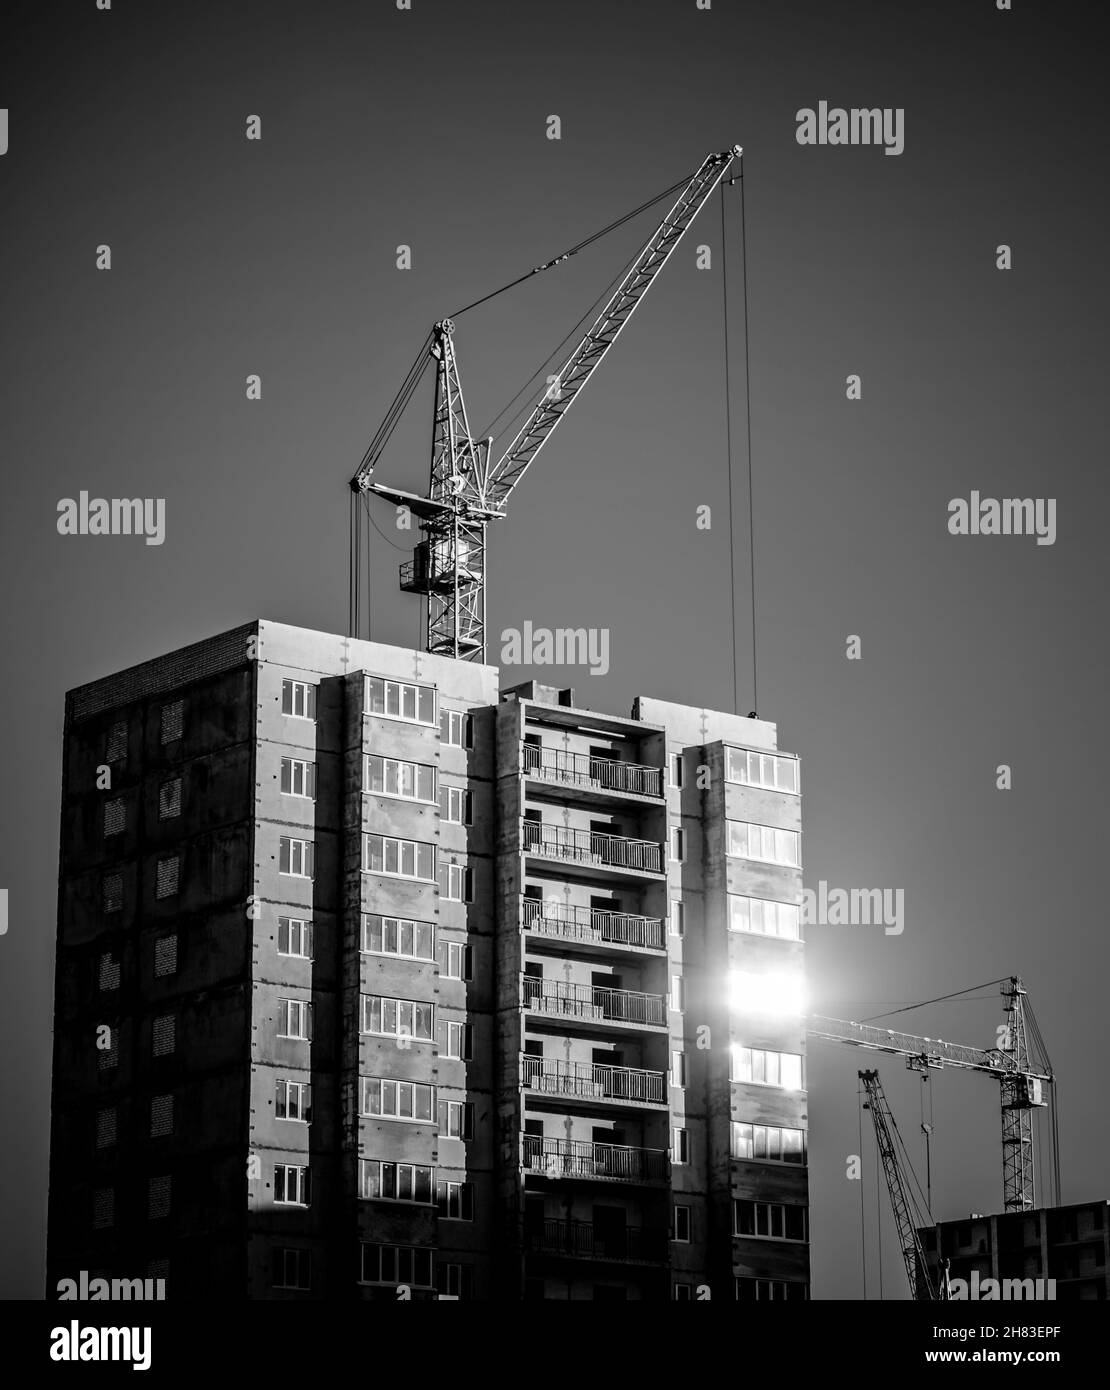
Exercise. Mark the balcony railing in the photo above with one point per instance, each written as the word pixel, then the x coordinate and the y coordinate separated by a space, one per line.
pixel 584 1240
pixel 590 847
pixel 591 924
pixel 592 1001
pixel 591 1082
pixel 578 1158
pixel 581 770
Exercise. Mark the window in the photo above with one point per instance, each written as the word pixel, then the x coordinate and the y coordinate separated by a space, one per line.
pixel 767 1068
pixel 115 817
pixel 456 961
pixel 165 956
pixel 457 1041
pixel 394 1182
pixel 104 1207
pixel 111 892
pixel 294 1019
pixel 163 1035
pixel 454 728
pixel 455 1280
pixel 771 1288
pixel 682 1223
pixel 292 1100
pixel 397 936
pixel 109 974
pixel 292 1269
pixel 158 1197
pixel 291 1185
pixel 169 799
pixel 771 1220
pixel 684 1293
pixel 106 1127
pixel 396 1018
pixel 764 918
pixel 298 778
pixel 677 769
pixel 754 769
pixel 298 699
pixel 456 1201
pixel 398 1100
pixel 763 842
pixel 161 1116
pixel 391 777
pixel 416 703
pixel 678 843
pixel 167 876
pixel 394 1264
pixel 768 1142
pixel 456 1119
pixel 456 883
pixel 678 1069
pixel 678 918
pixel 294 937
pixel 680 1146
pixel 173 716
pixel 117 742
pixel 678 993
pixel 382 854
pixel 297 857
pixel 455 805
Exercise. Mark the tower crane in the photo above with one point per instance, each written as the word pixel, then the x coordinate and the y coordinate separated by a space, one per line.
pixel 1022 1078
pixel 468 489
pixel 908 1214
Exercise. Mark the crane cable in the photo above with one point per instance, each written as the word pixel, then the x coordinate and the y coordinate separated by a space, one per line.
pixel 396 409
pixel 879 1226
pixel 574 250
pixel 728 437
pixel 728 460
pixel 862 1210
pixel 938 1000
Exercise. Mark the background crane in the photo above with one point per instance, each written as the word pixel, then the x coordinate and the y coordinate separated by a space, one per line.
pixel 1021 1077
pixel 910 1215
pixel 467 490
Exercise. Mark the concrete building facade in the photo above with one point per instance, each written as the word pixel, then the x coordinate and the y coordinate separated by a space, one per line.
pixel 375 980
pixel 1070 1245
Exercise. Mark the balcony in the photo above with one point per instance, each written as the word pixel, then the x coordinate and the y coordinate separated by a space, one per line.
pixel 591 847
pixel 584 1241
pixel 594 774
pixel 593 1003
pixel 585 1081
pixel 592 926
pixel 578 1158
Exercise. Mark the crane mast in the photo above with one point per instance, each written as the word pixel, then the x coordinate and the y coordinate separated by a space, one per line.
pixel 907 1216
pixel 1010 1064
pixel 466 492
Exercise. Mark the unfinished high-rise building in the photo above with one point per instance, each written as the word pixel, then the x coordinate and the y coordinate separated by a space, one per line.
pixel 377 979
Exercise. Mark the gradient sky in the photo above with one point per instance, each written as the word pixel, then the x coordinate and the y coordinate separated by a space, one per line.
pixel 428 128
